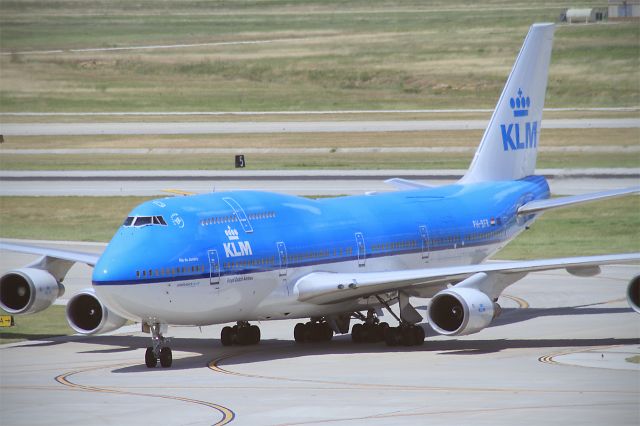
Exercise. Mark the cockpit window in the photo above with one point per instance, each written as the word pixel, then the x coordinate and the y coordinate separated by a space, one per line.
pixel 138 221
pixel 159 220
pixel 142 221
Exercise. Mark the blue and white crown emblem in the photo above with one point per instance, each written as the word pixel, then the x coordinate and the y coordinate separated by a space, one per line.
pixel 520 105
pixel 232 234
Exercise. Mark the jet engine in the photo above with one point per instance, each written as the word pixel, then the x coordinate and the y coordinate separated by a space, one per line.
pixel 633 293
pixel 28 290
pixel 460 311
pixel 87 315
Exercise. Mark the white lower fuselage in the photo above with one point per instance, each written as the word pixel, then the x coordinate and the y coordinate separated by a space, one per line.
pixel 263 295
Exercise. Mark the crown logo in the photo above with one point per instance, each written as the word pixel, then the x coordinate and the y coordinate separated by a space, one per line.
pixel 520 105
pixel 232 234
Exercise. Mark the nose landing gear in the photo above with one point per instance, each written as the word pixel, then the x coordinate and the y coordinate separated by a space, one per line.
pixel 160 349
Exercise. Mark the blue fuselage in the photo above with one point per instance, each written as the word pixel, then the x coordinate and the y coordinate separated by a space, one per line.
pixel 222 239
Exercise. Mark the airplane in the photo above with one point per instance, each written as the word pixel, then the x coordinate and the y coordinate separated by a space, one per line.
pixel 246 256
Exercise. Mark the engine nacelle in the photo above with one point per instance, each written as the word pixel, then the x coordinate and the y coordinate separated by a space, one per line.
pixel 86 314
pixel 633 293
pixel 28 290
pixel 460 311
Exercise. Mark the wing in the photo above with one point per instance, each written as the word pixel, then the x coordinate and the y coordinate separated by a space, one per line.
pixel 554 203
pixel 327 287
pixel 68 255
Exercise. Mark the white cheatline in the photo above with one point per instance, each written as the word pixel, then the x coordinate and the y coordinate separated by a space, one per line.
pixel 150 47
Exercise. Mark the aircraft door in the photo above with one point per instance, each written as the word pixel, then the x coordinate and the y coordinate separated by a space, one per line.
pixel 424 237
pixel 282 255
pixel 361 249
pixel 214 268
pixel 240 214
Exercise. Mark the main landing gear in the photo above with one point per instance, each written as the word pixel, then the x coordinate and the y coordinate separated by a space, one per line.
pixel 242 333
pixel 160 349
pixel 370 331
pixel 316 330
pixel 373 331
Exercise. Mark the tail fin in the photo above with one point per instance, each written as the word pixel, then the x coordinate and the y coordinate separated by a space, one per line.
pixel 509 147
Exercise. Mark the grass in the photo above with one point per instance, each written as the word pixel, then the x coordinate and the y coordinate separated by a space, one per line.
pixel 328 161
pixel 64 218
pixel 45 324
pixel 436 138
pixel 633 359
pixel 327 56
pixel 603 227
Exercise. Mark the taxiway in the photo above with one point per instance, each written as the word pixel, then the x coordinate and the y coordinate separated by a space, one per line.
pixel 556 356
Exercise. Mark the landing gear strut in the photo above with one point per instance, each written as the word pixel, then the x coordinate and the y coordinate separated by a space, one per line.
pixel 316 330
pixel 159 350
pixel 242 333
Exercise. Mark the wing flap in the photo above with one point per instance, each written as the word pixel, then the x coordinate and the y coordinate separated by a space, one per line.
pixel 328 287
pixel 554 203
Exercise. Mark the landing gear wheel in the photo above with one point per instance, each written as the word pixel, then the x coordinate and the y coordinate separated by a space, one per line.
pixel 166 357
pixel 226 336
pixel 255 334
pixel 357 333
pixel 299 332
pixel 150 358
pixel 418 336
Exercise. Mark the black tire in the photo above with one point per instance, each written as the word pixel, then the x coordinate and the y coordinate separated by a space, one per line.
pixel 166 357
pixel 356 333
pixel 390 336
pixel 150 358
pixel 244 336
pixel 407 336
pixel 328 332
pixel 299 333
pixel 255 334
pixel 226 336
pixel 418 335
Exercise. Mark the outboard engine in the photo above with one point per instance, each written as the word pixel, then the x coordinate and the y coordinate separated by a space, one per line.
pixel 28 290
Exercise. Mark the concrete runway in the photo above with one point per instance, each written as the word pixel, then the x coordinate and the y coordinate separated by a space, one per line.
pixel 299 182
pixel 193 128
pixel 555 356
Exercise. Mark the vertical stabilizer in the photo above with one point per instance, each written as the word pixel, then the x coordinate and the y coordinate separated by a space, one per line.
pixel 509 147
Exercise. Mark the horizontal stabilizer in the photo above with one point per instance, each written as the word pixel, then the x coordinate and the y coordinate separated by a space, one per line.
pixel 554 203
pixel 406 184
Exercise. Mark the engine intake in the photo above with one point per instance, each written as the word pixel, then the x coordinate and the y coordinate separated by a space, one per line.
pixel 460 311
pixel 28 290
pixel 86 314
pixel 633 293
